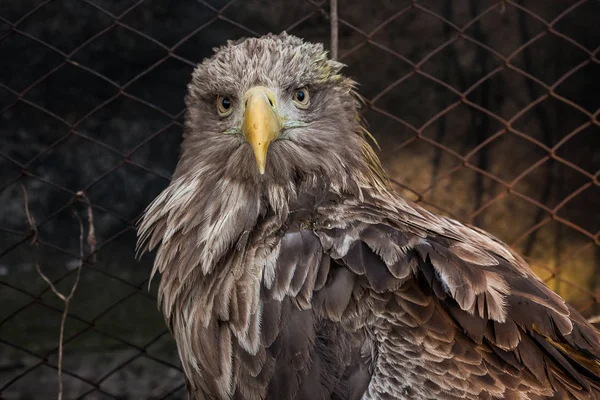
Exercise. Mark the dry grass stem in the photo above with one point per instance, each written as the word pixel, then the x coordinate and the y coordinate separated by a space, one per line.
pixel 333 10
pixel 91 240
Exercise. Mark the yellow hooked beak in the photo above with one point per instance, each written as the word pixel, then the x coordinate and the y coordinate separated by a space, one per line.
pixel 261 122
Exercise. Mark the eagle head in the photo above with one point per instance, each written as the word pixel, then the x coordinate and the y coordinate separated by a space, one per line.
pixel 273 111
pixel 271 126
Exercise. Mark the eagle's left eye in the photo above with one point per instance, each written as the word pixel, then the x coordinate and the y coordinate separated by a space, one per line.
pixel 301 98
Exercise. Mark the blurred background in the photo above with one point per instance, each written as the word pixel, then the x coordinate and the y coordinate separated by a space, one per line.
pixel 485 111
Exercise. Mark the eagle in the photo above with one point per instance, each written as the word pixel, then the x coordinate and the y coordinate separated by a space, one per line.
pixel 291 269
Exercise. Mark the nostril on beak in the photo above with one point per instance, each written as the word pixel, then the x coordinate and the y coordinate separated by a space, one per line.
pixel 270 102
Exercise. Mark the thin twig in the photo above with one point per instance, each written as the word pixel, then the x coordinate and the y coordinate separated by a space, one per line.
pixel 91 239
pixel 594 320
pixel 503 6
pixel 333 9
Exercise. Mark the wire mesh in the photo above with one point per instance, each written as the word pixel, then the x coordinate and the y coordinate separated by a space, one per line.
pixel 486 111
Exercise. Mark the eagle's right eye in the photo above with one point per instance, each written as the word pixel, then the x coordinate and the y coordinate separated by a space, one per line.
pixel 224 106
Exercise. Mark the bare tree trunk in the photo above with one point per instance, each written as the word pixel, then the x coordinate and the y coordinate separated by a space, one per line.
pixel 544 122
pixel 482 121
pixel 558 234
pixel 595 281
pixel 446 75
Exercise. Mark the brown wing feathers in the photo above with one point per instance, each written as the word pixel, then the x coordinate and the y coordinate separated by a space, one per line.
pixel 527 335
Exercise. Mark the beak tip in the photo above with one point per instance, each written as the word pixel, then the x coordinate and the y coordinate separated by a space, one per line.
pixel 261 168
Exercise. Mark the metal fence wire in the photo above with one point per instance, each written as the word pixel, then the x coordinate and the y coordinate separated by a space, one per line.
pixel 486 111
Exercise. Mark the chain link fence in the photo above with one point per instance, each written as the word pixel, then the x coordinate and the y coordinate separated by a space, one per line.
pixel 486 111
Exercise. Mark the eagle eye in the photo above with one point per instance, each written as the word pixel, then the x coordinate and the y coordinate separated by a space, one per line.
pixel 301 98
pixel 224 106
